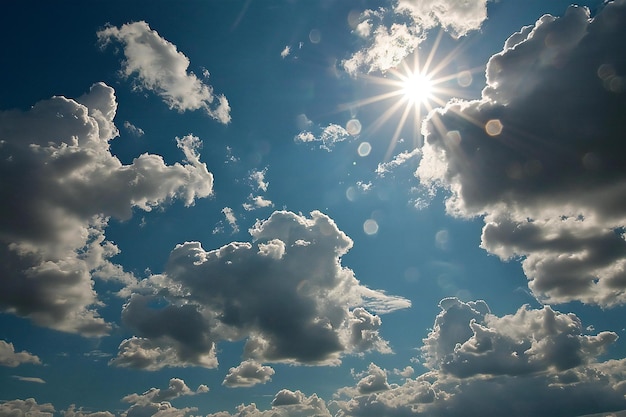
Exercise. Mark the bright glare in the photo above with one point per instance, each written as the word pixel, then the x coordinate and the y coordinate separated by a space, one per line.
pixel 417 88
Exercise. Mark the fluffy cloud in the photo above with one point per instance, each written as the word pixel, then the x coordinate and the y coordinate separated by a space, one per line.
pixel 64 186
pixel 533 362
pixel 9 357
pixel 25 408
pixel 159 67
pixel 548 183
pixel 247 374
pixel 392 34
pixel 286 403
pixel 328 136
pixel 291 302
pixel 156 402
pixel 256 202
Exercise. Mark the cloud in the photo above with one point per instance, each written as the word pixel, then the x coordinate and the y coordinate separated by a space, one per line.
pixel 255 202
pixel 157 401
pixel 392 34
pixel 258 179
pixel 248 374
pixel 229 214
pixel 9 357
pixel 286 403
pixel 533 362
pixel 132 129
pixel 24 408
pixel 65 185
pixel 548 183
pixel 328 136
pixel 285 52
pixel 159 67
pixel 29 379
pixel 73 412
pixel 399 160
pixel 291 302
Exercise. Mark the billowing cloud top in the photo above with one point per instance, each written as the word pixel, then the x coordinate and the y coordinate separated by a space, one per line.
pixel 161 68
pixel 538 155
pixel 64 186
pixel 292 303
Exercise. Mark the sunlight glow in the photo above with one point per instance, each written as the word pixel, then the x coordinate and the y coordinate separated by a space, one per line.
pixel 417 88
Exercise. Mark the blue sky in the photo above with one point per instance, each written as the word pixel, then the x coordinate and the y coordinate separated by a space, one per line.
pixel 312 208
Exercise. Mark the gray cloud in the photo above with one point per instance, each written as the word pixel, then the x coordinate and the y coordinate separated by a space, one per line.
pixel 9 357
pixel 161 68
pixel 247 374
pixel 548 183
pixel 292 303
pixel 65 185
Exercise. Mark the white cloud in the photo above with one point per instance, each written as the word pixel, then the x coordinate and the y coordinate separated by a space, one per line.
pixel 258 179
pixel 392 34
pixel 286 403
pixel 9 357
pixel 256 202
pixel 548 183
pixel 133 130
pixel 229 214
pixel 313 313
pixel 73 412
pixel 328 136
pixel 65 185
pixel 29 379
pixel 25 408
pixel 159 67
pixel 533 362
pixel 285 52
pixel 398 160
pixel 248 374
pixel 156 401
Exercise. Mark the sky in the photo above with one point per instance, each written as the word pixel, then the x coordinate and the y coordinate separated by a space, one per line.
pixel 281 208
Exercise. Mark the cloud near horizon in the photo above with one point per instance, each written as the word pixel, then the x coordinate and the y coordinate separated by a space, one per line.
pixel 549 184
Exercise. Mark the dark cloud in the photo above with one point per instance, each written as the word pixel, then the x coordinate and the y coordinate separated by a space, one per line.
pixel 538 155
pixel 64 186
pixel 292 302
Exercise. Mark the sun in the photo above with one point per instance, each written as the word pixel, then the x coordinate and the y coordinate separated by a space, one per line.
pixel 417 88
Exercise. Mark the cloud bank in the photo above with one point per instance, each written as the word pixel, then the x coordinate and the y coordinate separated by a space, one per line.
pixel 550 184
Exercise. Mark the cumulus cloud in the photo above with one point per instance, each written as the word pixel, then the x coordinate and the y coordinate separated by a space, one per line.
pixel 9 357
pixel 64 186
pixel 256 202
pixel 156 401
pixel 158 66
pixel 291 302
pixel 229 214
pixel 534 362
pixel 548 183
pixel 133 130
pixel 257 178
pixel 247 374
pixel 285 52
pixel 392 34
pixel 286 403
pixel 72 411
pixel 328 136
pixel 25 408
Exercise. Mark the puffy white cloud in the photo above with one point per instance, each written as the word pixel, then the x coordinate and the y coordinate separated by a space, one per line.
pixel 258 179
pixel 159 67
pixel 328 136
pixel 549 183
pixel 285 52
pixel 392 34
pixel 65 185
pixel 155 401
pixel 286 403
pixel 256 202
pixel 291 302
pixel 533 362
pixel 9 357
pixel 133 130
pixel 247 374
pixel 26 408
pixel 73 412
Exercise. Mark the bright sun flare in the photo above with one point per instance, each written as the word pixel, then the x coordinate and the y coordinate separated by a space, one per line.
pixel 417 88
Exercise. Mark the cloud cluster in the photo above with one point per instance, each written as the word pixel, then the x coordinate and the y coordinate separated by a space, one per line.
pixel 25 408
pixel 286 403
pixel 9 357
pixel 286 293
pixel 156 401
pixel 533 362
pixel 550 184
pixel 247 374
pixel 159 67
pixel 64 186
pixel 392 34
pixel 328 136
